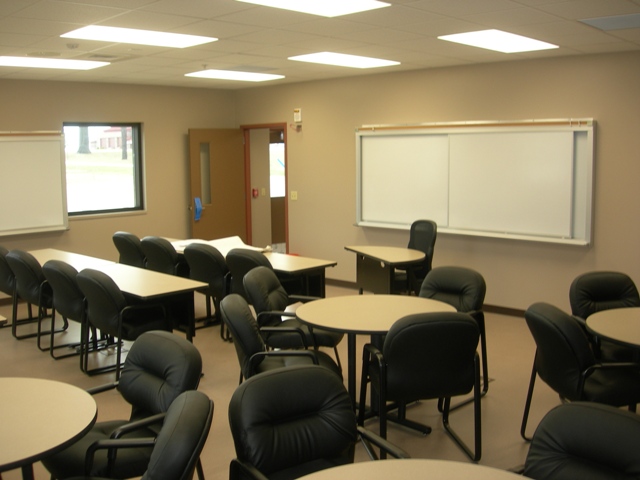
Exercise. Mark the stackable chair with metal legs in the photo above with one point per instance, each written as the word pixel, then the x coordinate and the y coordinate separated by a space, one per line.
pixel 33 288
pixel 566 362
pixel 109 311
pixel 68 302
pixel 425 356
pixel 464 289
pixel 206 264
pixel 129 249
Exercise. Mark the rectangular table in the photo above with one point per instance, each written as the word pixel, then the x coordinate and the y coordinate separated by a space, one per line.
pixel 311 270
pixel 375 266
pixel 138 283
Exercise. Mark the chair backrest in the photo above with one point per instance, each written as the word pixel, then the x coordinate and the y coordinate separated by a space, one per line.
pixel 159 367
pixel 585 440
pixel 161 256
pixel 206 264
pixel 7 277
pixel 460 287
pixel 266 293
pixel 105 300
pixel 431 355
pixel 602 290
pixel 298 419
pixel 422 236
pixel 182 438
pixel 30 281
pixel 129 248
pixel 244 329
pixel 562 348
pixel 241 261
pixel 68 299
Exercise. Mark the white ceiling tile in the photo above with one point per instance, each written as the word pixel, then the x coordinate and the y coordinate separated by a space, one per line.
pixel 262 38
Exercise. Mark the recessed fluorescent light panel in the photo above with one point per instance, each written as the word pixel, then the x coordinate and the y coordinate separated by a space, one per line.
pixel 34 62
pixel 343 60
pixel 616 22
pixel 325 8
pixel 231 75
pixel 499 41
pixel 138 37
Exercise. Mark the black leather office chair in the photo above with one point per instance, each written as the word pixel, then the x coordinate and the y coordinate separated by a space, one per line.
pixel 8 285
pixel 129 249
pixel 32 287
pixel 240 262
pixel 270 300
pixel 206 264
pixel 425 356
pixel 253 355
pixel 464 289
pixel 162 257
pixel 422 236
pixel 159 367
pixel 565 362
pixel 593 292
pixel 588 441
pixel 177 448
pixel 290 422
pixel 109 311
pixel 68 301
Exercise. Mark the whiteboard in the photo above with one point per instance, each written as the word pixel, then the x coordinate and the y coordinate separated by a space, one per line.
pixel 33 192
pixel 389 190
pixel 521 180
pixel 512 182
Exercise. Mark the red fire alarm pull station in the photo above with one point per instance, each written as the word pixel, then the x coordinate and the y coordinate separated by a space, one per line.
pixel 254 192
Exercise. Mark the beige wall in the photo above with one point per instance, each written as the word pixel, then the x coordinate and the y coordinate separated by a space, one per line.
pixel 321 157
pixel 166 114
pixel 518 273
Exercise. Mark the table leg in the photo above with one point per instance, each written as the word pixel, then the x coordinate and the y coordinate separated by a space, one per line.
pixel 351 366
pixel 27 472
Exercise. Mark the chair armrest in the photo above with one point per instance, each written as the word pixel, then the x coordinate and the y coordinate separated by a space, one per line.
pixel 368 437
pixel 303 338
pixel 604 366
pixel 371 351
pixel 581 321
pixel 302 298
pixel 240 470
pixel 102 388
pixel 274 313
pixel 613 366
pixel 137 425
pixel 113 445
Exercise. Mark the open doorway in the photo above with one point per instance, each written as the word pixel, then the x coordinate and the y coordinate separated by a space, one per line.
pixel 267 186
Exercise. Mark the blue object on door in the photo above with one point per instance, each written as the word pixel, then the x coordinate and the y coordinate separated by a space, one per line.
pixel 198 209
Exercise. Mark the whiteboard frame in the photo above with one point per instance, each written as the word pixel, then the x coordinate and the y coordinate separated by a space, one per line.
pixel 582 188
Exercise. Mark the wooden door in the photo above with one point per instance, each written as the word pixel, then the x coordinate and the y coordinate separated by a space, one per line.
pixel 217 178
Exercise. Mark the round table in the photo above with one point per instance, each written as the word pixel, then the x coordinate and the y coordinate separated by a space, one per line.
pixel 413 469
pixel 363 315
pixel 620 325
pixel 39 417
